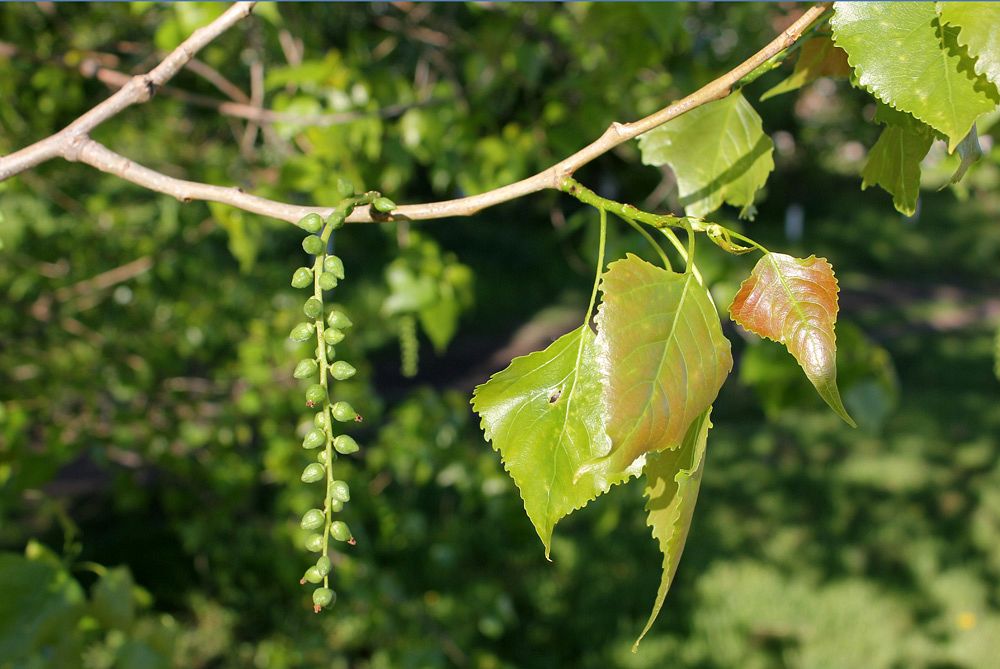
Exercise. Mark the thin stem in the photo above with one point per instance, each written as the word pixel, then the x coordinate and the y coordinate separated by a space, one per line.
pixel 744 238
pixel 587 196
pixel 685 254
pixel 652 242
pixel 599 270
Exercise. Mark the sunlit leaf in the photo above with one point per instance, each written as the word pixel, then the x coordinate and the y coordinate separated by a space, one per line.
pixel 818 57
pixel 977 23
pixel 928 75
pixel 545 416
pixel 794 302
pixel 672 482
pixel 718 151
pixel 662 354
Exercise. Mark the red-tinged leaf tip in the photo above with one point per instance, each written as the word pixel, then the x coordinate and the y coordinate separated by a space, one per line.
pixel 794 302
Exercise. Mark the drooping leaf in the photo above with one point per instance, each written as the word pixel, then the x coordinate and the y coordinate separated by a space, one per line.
pixel 969 151
pixel 673 479
pixel 794 301
pixel 718 151
pixel 662 355
pixel 818 57
pixel 927 75
pixel 545 416
pixel 977 23
pixel 894 164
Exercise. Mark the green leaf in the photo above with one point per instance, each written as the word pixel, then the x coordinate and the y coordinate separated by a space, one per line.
pixel 902 54
pixel 39 607
pixel 244 236
pixel 977 23
pixel 794 302
pixel 112 601
pixel 894 164
pixel 718 151
pixel 818 57
pixel 662 354
pixel 672 482
pixel 544 415
pixel 969 151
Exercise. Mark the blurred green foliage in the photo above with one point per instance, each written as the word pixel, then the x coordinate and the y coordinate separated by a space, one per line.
pixel 149 424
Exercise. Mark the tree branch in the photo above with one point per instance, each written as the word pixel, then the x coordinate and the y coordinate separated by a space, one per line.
pixel 72 143
pixel 139 89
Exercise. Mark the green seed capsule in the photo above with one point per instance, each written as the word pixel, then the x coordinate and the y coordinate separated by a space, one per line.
pixel 313 472
pixel 312 519
pixel 302 332
pixel 336 505
pixel 384 204
pixel 305 369
pixel 313 245
pixel 311 223
pixel 302 277
pixel 327 281
pixel 321 457
pixel 340 490
pixel 344 187
pixel 345 445
pixel 345 413
pixel 315 394
pixel 313 308
pixel 341 370
pixel 334 265
pixel 322 598
pixel 312 575
pixel 337 219
pixel 338 319
pixel 319 420
pixel 314 439
pixel 333 336
pixel 314 543
pixel 323 565
pixel 340 531
pixel 331 352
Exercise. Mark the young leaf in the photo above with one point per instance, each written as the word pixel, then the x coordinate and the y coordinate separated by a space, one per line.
pixel 718 151
pixel 977 23
pixel 894 164
pixel 818 57
pixel 672 482
pixel 662 355
pixel 794 302
pixel 928 74
pixel 544 415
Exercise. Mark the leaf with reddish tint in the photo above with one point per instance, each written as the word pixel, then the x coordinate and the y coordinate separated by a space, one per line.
pixel 794 302
pixel 662 355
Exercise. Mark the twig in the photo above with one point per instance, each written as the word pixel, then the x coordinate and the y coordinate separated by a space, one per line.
pixel 72 143
pixel 140 88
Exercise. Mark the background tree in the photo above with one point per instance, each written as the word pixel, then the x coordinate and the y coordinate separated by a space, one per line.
pixel 149 418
